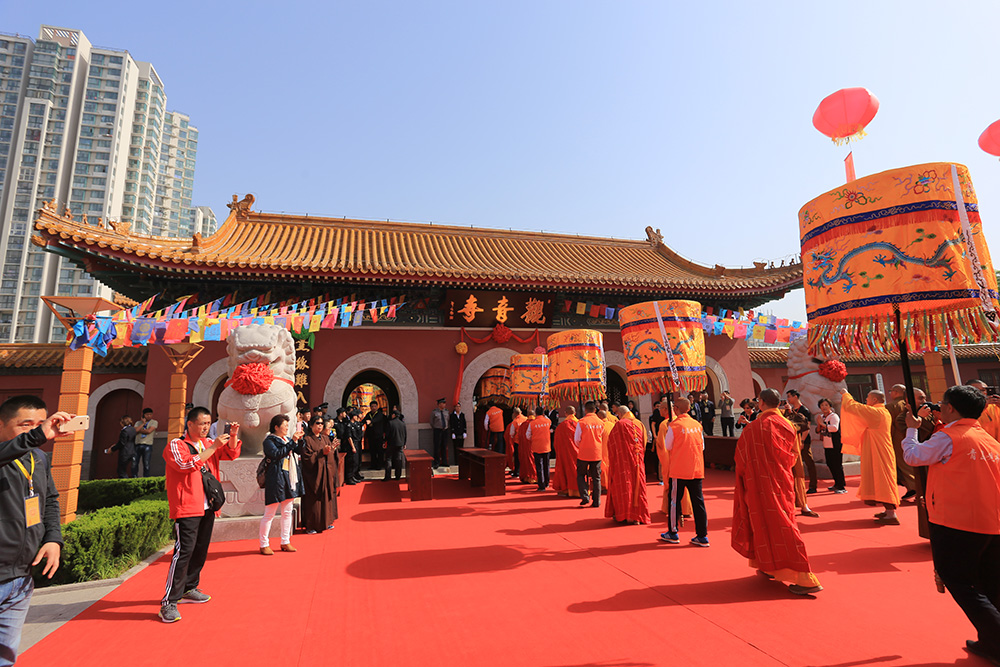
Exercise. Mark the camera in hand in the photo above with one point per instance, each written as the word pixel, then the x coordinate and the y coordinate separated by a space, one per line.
pixel 935 407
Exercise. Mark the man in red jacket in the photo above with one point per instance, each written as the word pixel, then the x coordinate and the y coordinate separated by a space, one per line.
pixel 193 519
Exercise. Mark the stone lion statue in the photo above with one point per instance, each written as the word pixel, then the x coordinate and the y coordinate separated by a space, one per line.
pixel 806 375
pixel 261 381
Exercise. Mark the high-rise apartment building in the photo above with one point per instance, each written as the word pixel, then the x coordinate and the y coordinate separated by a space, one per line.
pixel 175 216
pixel 84 126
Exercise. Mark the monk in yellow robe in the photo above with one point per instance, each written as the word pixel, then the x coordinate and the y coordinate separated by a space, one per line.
pixel 664 456
pixel 868 426
pixel 564 475
pixel 990 419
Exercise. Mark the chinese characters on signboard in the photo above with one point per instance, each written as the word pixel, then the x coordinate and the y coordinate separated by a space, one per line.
pixel 303 357
pixel 468 308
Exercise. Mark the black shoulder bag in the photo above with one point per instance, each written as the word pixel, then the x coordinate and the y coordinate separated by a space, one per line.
pixel 214 494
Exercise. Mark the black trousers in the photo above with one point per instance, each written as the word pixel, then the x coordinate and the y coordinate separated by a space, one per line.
pixel 497 443
pixel 591 469
pixel 676 492
pixel 969 565
pixel 707 425
pixel 440 447
pixel 728 424
pixel 375 451
pixel 835 462
pixel 192 535
pixel 123 464
pixel 351 467
pixel 542 468
pixel 142 453
pixel 393 461
pixel 457 444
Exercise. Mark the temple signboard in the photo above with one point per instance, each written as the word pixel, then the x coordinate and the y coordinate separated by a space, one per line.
pixel 476 308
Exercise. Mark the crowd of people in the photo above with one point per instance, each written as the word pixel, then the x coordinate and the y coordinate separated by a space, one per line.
pixel 955 442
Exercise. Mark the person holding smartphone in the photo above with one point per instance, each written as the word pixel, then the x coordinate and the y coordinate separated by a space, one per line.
pixel 193 519
pixel 29 505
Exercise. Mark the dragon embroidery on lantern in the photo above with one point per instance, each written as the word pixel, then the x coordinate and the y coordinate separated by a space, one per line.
pixel 833 272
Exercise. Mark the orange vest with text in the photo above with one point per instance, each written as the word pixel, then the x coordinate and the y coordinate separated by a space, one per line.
pixel 964 493
pixel 496 419
pixel 591 438
pixel 541 435
pixel 687 455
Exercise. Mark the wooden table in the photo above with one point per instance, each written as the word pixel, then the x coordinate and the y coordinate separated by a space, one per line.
pixel 484 469
pixel 419 476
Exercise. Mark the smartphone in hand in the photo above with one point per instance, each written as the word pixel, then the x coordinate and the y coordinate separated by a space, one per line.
pixel 78 423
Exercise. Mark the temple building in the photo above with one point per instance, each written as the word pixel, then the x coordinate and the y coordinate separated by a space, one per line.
pixel 533 283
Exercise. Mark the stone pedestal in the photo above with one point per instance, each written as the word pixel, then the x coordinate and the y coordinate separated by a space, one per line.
pixel 239 481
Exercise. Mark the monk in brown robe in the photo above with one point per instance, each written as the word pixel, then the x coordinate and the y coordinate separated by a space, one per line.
pixel 319 475
pixel 627 484
pixel 564 475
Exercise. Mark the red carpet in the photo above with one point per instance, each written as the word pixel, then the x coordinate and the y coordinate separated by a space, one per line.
pixel 531 579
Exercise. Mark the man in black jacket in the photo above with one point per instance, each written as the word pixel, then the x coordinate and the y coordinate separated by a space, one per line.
pixel 29 505
pixel 395 443
pixel 352 455
pixel 457 427
pixel 126 449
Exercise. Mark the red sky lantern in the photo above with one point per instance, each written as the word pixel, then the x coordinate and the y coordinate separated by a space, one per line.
pixel 989 140
pixel 843 115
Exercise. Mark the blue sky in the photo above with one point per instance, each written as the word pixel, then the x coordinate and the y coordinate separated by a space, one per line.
pixel 598 118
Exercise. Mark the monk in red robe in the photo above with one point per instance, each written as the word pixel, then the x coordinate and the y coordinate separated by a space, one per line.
pixel 513 461
pixel 526 462
pixel 627 484
pixel 764 529
pixel 564 475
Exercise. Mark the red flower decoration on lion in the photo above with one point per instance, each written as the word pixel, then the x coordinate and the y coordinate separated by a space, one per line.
pixel 833 370
pixel 251 378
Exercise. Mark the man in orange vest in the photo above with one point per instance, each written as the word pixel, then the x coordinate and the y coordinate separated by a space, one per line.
pixel 963 509
pixel 522 449
pixel 589 438
pixel 685 440
pixel 513 460
pixel 539 439
pixel 494 427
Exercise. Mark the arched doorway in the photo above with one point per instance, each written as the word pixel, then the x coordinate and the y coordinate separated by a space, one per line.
pixel 617 390
pixel 106 427
pixel 368 386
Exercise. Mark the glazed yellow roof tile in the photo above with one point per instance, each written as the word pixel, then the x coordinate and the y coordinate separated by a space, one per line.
pixel 251 242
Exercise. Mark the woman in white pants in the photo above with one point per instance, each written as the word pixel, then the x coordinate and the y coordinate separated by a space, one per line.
pixel 279 492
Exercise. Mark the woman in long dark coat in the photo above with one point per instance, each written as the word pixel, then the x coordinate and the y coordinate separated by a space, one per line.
pixel 319 477
pixel 279 491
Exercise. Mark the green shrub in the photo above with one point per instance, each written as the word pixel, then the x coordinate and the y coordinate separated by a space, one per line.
pixel 106 542
pixel 99 493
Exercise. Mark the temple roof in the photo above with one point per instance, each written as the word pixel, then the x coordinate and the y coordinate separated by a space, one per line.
pixel 24 356
pixel 268 246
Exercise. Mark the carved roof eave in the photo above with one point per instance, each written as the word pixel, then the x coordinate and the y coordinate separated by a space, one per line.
pixel 173 256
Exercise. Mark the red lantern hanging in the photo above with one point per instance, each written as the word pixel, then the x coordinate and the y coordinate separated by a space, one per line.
pixel 989 140
pixel 844 115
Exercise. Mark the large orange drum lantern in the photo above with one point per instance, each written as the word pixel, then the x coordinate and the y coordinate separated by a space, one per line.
pixel 577 370
pixel 529 379
pixel 495 383
pixel 897 257
pixel 664 347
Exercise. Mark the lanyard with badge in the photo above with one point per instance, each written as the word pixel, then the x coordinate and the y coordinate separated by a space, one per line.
pixel 32 507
